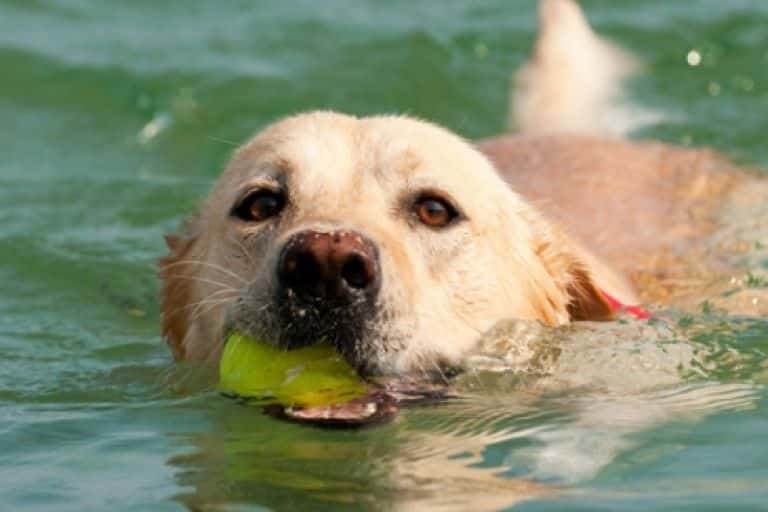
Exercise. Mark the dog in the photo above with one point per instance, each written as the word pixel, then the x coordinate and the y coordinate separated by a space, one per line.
pixel 400 243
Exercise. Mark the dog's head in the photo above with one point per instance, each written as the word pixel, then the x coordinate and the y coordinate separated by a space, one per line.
pixel 389 237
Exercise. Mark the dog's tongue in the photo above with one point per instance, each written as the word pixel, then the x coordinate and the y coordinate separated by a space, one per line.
pixel 378 405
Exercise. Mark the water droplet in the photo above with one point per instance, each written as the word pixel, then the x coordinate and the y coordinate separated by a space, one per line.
pixel 693 58
pixel 152 129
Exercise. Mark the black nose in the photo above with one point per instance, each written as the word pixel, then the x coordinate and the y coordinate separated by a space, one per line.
pixel 340 265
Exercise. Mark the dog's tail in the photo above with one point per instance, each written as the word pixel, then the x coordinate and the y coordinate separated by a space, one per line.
pixel 573 81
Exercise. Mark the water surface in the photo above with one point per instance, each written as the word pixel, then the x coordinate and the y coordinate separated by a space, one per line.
pixel 118 116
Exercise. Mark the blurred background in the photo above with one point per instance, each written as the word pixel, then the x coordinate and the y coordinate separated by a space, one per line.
pixel 117 116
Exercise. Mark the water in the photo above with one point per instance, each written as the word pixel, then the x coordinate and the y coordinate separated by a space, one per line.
pixel 117 117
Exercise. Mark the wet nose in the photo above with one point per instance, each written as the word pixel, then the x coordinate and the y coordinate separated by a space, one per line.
pixel 340 265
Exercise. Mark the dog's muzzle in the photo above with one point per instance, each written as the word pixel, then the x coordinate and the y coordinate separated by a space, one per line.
pixel 328 283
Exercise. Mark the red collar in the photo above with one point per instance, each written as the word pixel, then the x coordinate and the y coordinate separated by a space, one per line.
pixel 636 311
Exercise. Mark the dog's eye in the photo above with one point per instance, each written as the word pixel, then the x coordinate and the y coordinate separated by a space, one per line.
pixel 259 206
pixel 434 212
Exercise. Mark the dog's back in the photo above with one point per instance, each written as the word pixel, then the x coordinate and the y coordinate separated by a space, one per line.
pixel 647 210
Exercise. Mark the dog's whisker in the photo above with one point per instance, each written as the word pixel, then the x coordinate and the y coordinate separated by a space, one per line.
pixel 219 296
pixel 198 279
pixel 208 264
pixel 205 308
pixel 245 250
pixel 204 301
pixel 223 141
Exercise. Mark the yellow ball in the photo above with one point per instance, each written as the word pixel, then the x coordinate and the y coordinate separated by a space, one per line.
pixel 306 377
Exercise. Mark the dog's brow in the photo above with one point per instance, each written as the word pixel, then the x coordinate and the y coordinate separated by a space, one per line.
pixel 405 162
pixel 274 171
pixel 284 165
pixel 273 178
pixel 409 161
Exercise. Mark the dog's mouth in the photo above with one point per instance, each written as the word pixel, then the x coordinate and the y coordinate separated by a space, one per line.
pixel 312 386
pixel 348 327
pixel 378 405
pixel 347 330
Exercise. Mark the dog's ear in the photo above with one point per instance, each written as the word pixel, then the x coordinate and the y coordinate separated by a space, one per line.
pixel 587 302
pixel 576 287
pixel 176 292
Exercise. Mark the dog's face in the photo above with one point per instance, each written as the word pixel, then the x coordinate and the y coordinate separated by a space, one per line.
pixel 389 237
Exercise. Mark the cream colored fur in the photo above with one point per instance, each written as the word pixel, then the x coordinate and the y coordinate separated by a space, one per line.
pixel 441 289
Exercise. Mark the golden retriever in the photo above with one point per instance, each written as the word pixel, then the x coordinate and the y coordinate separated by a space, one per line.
pixel 401 243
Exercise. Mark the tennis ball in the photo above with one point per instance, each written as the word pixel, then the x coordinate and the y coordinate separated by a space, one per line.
pixel 306 377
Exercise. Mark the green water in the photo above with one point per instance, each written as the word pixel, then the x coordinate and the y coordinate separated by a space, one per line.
pixel 118 115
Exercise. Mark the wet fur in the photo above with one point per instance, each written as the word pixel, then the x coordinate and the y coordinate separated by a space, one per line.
pixel 555 218
pixel 441 289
